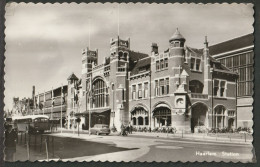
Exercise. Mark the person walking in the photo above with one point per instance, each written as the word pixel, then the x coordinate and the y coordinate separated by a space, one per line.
pixel 130 128
pixel 10 143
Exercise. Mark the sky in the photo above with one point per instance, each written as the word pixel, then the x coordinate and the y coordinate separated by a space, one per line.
pixel 44 41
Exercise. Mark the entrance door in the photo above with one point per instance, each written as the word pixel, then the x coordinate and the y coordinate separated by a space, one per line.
pixel 198 116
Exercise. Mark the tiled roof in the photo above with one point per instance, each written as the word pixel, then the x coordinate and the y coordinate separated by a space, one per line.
pixel 145 62
pixel 73 77
pixel 233 44
pixel 134 57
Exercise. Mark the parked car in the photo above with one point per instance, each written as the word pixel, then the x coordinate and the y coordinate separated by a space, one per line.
pixel 100 129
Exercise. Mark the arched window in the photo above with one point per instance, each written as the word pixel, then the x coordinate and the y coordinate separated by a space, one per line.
pixel 134 121
pixel 196 86
pixel 100 94
pixel 120 55
pixel 140 121
pixel 220 117
pixel 125 55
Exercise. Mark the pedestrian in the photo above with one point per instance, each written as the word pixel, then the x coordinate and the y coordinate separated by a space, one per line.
pixel 130 128
pixel 10 143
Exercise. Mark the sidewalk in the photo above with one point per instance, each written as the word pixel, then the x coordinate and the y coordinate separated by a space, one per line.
pixel 189 136
pixel 194 136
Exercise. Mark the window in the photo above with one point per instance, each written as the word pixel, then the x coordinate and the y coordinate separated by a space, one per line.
pixel 167 87
pixel 146 89
pixel 139 91
pixel 176 44
pixel 161 86
pixel 157 66
pixel 166 63
pixel 100 91
pixel 216 87
pixel 156 88
pixel 243 64
pixel 134 92
pixel 197 64
pixel 192 62
pixel 222 88
pixel 161 64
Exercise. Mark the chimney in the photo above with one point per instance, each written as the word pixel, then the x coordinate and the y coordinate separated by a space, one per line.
pixel 154 48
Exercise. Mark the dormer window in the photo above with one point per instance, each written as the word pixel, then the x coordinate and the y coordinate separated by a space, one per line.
pixel 192 62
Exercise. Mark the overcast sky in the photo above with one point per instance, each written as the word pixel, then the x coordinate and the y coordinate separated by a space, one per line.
pixel 44 41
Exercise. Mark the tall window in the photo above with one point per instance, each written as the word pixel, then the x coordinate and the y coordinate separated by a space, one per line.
pixel 161 86
pixel 243 64
pixel 166 63
pixel 156 88
pixel 197 64
pixel 145 89
pixel 192 63
pixel 100 91
pixel 220 88
pixel 216 87
pixel 139 91
pixel 157 65
pixel 161 64
pixel 134 92
pixel 167 86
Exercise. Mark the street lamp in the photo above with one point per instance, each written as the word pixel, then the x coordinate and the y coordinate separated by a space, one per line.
pixel 121 115
pixel 113 111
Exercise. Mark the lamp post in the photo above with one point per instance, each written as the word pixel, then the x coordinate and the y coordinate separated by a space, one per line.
pixel 113 111
pixel 121 87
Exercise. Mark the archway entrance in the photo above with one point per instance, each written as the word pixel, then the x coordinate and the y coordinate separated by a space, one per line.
pixel 139 116
pixel 162 117
pixel 198 116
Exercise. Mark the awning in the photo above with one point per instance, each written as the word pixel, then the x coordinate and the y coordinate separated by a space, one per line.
pixel 97 111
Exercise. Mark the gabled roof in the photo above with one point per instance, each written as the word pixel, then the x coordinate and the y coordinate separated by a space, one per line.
pixel 215 64
pixel 233 44
pixel 73 77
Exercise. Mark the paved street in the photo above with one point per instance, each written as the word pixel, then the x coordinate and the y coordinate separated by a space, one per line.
pixel 70 147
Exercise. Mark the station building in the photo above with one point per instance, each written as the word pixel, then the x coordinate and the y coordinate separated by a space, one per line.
pixel 237 55
pixel 181 87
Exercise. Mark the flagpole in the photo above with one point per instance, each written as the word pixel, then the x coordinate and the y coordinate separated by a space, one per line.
pixel 38 104
pixel 43 102
pixel 61 96
pixel 52 100
pixel 118 21
pixel 73 120
pixel 89 33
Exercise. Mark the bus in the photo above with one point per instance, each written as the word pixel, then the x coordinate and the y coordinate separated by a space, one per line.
pixel 31 123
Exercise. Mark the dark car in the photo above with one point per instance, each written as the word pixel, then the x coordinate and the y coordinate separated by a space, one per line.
pixel 100 129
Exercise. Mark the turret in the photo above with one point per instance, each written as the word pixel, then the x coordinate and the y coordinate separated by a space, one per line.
pixel 176 51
